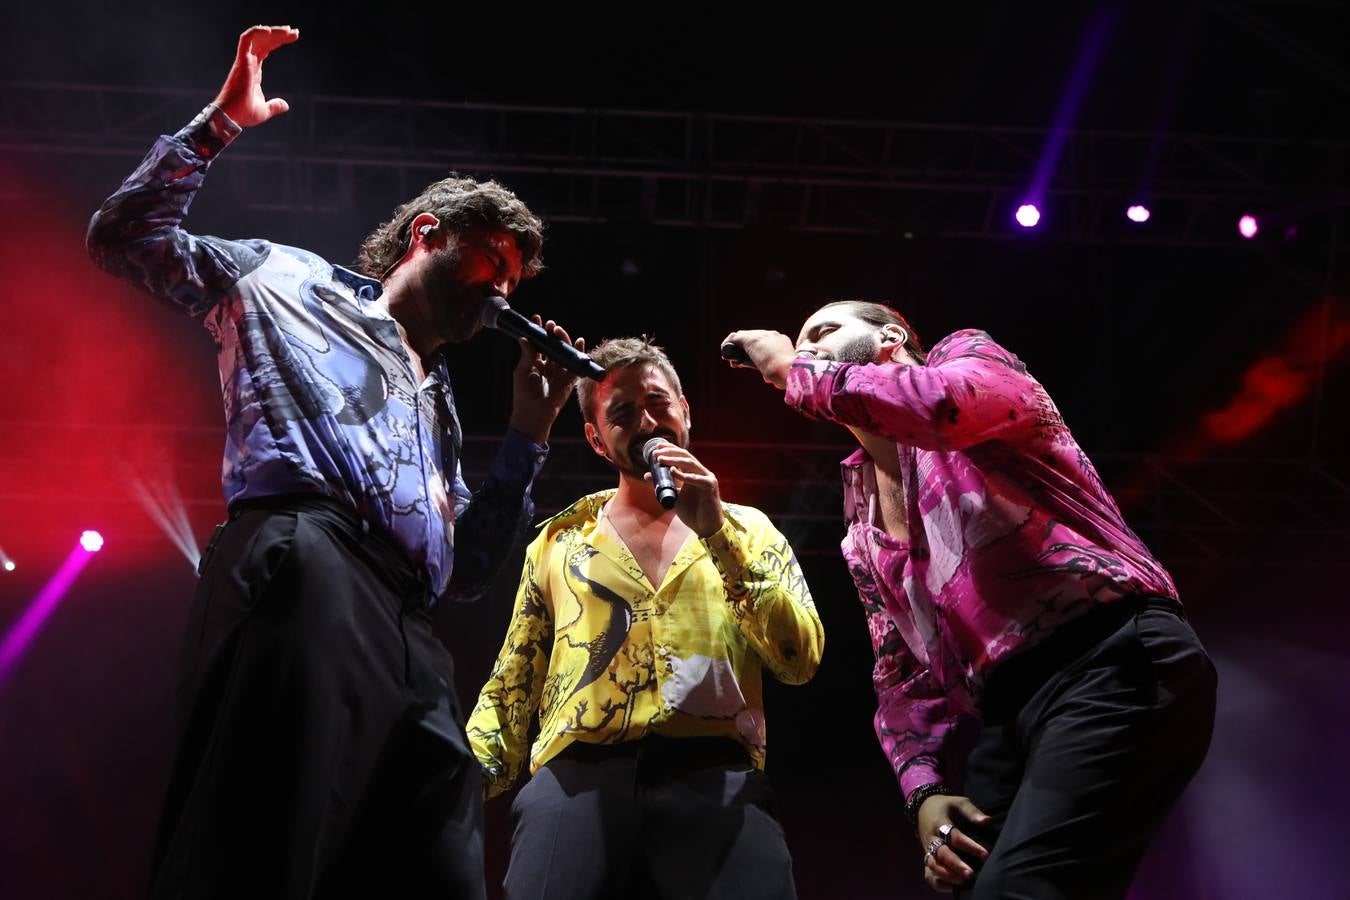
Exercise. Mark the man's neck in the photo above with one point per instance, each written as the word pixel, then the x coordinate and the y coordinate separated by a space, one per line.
pixel 636 497
pixel 401 300
pixel 883 451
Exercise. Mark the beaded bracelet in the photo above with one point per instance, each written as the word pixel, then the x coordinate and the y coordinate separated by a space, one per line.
pixel 922 793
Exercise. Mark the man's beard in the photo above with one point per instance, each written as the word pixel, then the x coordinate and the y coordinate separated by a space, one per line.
pixel 455 306
pixel 632 463
pixel 861 350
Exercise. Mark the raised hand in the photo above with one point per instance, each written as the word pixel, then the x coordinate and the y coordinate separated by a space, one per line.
pixel 769 351
pixel 540 386
pixel 241 98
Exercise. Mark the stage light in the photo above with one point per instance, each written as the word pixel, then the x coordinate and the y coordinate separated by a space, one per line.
pixel 1137 213
pixel 9 565
pixel 158 495
pixel 1247 226
pixel 22 631
pixel 1028 215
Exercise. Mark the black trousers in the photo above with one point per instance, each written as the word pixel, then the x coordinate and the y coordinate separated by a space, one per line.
pixel 659 817
pixel 1087 743
pixel 322 749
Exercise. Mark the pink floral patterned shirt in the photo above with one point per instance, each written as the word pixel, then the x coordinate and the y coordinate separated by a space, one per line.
pixel 1011 532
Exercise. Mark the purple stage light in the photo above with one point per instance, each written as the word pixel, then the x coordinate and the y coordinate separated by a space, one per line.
pixel 91 541
pixel 23 631
pixel 1137 213
pixel 1247 226
pixel 1028 215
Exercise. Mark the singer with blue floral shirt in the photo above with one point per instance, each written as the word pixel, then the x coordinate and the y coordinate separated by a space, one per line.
pixel 321 748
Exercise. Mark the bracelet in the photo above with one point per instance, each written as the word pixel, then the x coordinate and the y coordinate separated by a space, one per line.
pixel 922 793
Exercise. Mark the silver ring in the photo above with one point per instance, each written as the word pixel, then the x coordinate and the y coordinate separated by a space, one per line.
pixel 935 845
pixel 945 830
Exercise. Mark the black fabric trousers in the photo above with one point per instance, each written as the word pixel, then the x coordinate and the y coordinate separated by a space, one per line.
pixel 659 817
pixel 1087 743
pixel 322 749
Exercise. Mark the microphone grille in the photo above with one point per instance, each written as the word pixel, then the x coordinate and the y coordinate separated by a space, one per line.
pixel 649 447
pixel 493 307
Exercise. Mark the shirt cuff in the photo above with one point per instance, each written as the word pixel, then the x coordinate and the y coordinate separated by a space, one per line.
pixel 809 382
pixel 209 133
pixel 729 553
pixel 522 454
pixel 917 775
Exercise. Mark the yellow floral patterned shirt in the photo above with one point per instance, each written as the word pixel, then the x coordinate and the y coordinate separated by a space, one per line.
pixel 604 656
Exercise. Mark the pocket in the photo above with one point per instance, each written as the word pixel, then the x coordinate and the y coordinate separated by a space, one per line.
pixel 232 575
pixel 1179 664
pixel 264 566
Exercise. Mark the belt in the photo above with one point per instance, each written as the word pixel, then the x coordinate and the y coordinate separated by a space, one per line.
pixel 669 753
pixel 1011 684
pixel 384 556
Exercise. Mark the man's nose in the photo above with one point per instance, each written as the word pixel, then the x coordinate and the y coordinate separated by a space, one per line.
pixel 501 286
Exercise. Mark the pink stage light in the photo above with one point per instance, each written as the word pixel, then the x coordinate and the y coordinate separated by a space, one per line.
pixel 1137 213
pixel 1247 226
pixel 1028 215
pixel 91 541
pixel 21 634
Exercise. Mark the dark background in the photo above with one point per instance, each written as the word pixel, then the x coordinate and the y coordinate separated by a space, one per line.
pixel 1205 374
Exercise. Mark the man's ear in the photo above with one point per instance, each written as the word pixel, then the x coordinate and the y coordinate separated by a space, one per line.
pixel 423 229
pixel 593 438
pixel 893 340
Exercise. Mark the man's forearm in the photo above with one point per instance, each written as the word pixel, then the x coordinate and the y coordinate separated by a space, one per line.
pixel 137 233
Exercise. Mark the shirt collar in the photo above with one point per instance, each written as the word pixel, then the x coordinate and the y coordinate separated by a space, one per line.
pixel 860 486
pixel 368 289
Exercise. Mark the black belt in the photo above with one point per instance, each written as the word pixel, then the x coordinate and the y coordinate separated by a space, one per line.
pixel 668 753
pixel 1012 683
pixel 383 555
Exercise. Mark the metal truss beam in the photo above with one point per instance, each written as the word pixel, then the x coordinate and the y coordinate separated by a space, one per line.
pixel 712 171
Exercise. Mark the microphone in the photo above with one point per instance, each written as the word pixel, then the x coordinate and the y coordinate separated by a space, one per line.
pixel 734 352
pixel 662 481
pixel 498 314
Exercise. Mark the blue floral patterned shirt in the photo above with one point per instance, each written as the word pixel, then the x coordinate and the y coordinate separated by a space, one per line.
pixel 320 393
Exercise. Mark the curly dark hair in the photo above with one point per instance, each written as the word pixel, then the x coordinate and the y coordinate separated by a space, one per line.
pixel 613 354
pixel 881 315
pixel 459 203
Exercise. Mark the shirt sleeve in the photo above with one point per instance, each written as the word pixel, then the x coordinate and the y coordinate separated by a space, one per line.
pixel 977 392
pixel 489 520
pixel 137 233
pixel 913 722
pixel 769 594
pixel 499 726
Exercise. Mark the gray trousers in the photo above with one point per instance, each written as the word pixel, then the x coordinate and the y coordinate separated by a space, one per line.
pixel 671 817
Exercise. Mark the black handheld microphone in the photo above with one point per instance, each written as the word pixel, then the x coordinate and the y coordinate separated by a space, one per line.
pixel 662 481
pixel 734 352
pixel 498 314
